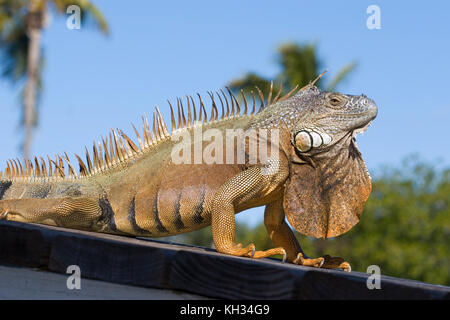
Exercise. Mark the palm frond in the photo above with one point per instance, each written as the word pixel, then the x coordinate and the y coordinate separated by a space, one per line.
pixel 88 12
pixel 342 74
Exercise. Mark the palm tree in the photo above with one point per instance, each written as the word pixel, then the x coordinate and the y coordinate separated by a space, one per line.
pixel 299 65
pixel 21 25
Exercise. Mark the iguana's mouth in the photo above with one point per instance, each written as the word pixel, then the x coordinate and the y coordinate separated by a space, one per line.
pixel 361 129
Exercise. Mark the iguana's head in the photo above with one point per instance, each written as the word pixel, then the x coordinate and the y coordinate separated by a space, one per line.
pixel 328 182
pixel 324 118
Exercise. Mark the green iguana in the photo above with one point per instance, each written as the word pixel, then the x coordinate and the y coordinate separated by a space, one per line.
pixel 314 176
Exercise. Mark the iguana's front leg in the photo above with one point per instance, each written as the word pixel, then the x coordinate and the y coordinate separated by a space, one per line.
pixel 281 235
pixel 249 184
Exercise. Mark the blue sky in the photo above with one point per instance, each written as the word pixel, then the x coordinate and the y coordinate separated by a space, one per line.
pixel 157 51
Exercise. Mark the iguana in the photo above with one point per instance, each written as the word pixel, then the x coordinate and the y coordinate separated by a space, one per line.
pixel 314 176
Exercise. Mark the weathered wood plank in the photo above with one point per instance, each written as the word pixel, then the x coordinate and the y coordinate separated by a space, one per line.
pixel 196 270
pixel 31 284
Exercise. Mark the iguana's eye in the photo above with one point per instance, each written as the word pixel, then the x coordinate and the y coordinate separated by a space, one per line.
pixel 336 101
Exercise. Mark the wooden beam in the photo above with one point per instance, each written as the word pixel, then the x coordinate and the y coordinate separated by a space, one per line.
pixel 197 270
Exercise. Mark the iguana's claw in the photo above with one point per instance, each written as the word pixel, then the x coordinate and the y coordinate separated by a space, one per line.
pixel 284 256
pixel 300 260
pixel 3 215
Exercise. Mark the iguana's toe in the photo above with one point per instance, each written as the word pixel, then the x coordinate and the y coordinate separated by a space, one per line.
pixel 316 263
pixel 336 263
pixel 3 215
pixel 237 250
pixel 269 253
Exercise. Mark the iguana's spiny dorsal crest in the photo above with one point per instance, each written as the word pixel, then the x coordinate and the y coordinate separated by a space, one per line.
pixel 119 148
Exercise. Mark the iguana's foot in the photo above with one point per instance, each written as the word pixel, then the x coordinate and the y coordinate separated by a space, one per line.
pixel 269 253
pixel 326 262
pixel 3 214
pixel 316 263
pixel 336 262
pixel 251 252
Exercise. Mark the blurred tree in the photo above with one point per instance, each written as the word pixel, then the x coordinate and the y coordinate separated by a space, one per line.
pixel 404 229
pixel 21 25
pixel 299 65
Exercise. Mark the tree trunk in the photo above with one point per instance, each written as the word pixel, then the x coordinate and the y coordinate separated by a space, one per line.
pixel 31 88
pixel 34 28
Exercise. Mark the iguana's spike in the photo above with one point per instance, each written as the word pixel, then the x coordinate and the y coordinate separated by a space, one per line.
pixel 126 148
pixel 113 156
pixel 312 83
pixel 119 153
pixel 107 157
pixel 50 167
pixel 83 170
pixel 189 111
pixel 164 130
pixel 141 145
pixel 222 106
pixel 233 101
pixel 155 132
pixel 193 107
pixel 15 168
pixel 22 172
pixel 226 101
pixel 288 95
pixel 147 136
pixel 180 121
pixel 7 171
pixel 275 100
pixel 71 171
pixel 36 167
pixel 202 108
pixel 19 168
pixel 28 169
pixel 122 147
pixel 172 117
pixel 43 167
pixel 254 102
pixel 245 102
pixel 57 167
pixel 130 142
pixel 95 156
pixel 88 161
pixel 61 163
pixel 214 110
pixel 182 113
pixel 261 97
pixel 14 173
pixel 100 156
pixel 269 98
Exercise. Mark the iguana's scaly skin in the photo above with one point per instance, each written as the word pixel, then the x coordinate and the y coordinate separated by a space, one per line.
pixel 318 179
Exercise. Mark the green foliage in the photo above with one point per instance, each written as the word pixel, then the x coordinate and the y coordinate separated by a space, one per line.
pixel 15 42
pixel 404 229
pixel 299 65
